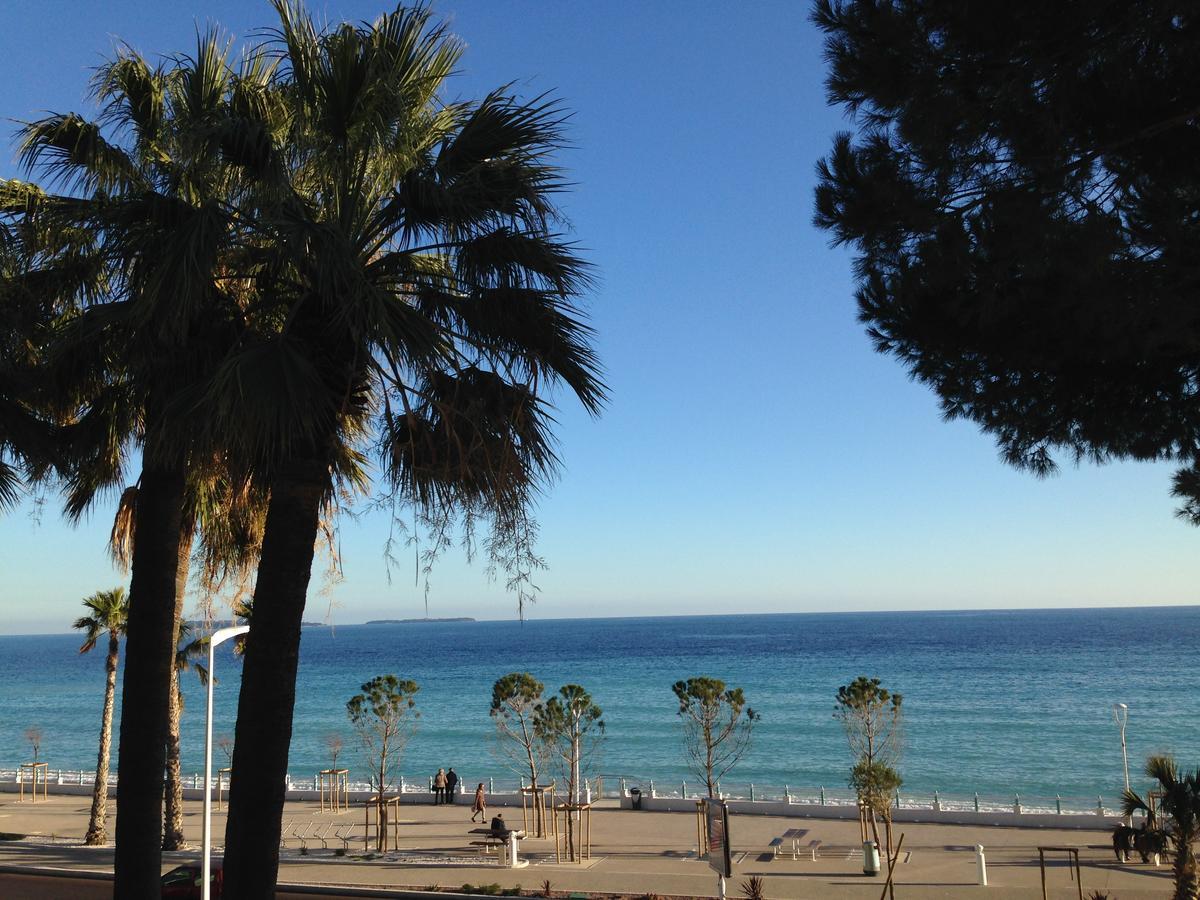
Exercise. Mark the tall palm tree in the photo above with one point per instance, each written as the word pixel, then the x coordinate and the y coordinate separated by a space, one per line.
pixel 1179 801
pixel 107 614
pixel 425 307
pixel 148 178
pixel 190 649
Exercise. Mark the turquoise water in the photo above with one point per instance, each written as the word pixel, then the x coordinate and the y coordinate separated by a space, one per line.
pixel 996 702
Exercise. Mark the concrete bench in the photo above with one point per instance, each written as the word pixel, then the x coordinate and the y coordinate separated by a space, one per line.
pixel 488 844
pixel 812 847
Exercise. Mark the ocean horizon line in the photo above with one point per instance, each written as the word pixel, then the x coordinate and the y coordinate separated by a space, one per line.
pixel 476 620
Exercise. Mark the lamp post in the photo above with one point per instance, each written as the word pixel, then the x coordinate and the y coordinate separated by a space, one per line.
pixel 217 637
pixel 1121 716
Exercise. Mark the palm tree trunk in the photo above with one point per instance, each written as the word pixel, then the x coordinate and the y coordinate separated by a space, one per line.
pixel 149 660
pixel 1187 886
pixel 268 693
pixel 173 799
pixel 97 832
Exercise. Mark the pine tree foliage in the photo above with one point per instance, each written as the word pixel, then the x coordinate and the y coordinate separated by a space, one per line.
pixel 1022 187
pixel 717 727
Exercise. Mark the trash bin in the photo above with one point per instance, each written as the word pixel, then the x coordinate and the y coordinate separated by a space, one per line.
pixel 635 798
pixel 870 858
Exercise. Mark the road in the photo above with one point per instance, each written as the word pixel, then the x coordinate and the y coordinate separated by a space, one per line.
pixel 37 887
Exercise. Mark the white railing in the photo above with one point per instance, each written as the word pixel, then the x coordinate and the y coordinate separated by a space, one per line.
pixel 611 786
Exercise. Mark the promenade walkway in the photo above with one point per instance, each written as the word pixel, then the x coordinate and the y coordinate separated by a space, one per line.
pixel 633 852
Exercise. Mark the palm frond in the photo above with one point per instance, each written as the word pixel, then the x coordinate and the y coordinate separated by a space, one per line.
pixel 108 612
pixel 10 485
pixel 1163 769
pixel 265 400
pixel 134 95
pixel 72 152
pixel 121 539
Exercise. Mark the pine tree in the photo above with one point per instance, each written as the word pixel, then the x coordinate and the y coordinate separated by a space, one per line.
pixel 1023 190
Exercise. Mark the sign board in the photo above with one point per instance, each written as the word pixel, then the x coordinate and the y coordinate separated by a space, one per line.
pixel 716 817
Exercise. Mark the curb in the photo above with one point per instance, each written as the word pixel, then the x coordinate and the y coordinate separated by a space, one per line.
pixel 309 889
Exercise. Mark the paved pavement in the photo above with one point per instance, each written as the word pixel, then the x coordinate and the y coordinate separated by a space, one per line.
pixel 634 852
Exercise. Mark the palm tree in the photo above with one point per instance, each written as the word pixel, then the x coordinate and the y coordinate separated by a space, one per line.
pixel 189 650
pixel 27 444
pixel 107 614
pixel 1179 800
pixel 148 180
pixel 425 307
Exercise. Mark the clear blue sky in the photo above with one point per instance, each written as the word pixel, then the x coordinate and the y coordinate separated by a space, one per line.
pixel 757 455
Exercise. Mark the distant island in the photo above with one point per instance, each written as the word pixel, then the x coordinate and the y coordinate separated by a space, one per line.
pixel 416 621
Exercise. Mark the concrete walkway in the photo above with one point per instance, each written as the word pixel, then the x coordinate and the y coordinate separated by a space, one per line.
pixel 633 852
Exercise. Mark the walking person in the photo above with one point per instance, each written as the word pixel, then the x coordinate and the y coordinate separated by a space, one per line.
pixel 479 805
pixel 451 785
pixel 439 787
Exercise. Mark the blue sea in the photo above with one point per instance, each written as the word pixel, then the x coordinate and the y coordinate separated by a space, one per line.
pixel 996 702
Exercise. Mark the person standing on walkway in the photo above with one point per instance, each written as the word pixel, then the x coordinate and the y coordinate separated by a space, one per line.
pixel 439 787
pixel 479 806
pixel 451 785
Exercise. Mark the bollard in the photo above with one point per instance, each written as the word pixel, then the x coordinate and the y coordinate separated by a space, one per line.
pixel 977 801
pixel 752 792
pixel 981 865
pixel 1017 805
pixel 1057 805
pixel 683 790
pixel 822 796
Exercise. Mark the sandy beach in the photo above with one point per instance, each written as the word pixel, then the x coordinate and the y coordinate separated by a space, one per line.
pixel 633 852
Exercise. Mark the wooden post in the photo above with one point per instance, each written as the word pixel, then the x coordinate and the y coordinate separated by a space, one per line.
pixel 554 824
pixel 888 886
pixel 36 770
pixel 581 848
pixel 220 775
pixel 1073 866
pixel 337 783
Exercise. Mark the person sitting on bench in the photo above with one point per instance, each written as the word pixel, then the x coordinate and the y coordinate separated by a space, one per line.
pixel 499 828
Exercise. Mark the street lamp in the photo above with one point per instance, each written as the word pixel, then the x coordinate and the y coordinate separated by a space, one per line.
pixel 1121 716
pixel 217 637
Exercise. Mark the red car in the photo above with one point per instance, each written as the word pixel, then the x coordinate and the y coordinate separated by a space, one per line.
pixel 184 882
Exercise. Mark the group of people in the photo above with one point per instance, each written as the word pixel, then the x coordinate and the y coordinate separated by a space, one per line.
pixel 445 788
